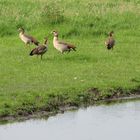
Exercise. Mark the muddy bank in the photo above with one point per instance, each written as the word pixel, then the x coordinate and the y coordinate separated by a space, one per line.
pixel 60 103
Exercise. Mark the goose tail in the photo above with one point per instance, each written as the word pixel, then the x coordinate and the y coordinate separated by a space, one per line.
pixel 31 53
pixel 36 43
pixel 74 49
pixel 71 47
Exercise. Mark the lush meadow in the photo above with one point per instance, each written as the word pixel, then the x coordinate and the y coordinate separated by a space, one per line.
pixel 28 84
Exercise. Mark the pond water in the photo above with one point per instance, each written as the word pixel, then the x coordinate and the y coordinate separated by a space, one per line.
pixel 114 122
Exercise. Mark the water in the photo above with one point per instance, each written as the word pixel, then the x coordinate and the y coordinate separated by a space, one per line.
pixel 114 122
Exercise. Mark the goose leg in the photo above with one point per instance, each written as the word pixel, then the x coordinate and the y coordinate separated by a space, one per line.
pixel 68 51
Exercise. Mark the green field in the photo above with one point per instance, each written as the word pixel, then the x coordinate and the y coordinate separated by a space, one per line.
pixel 29 84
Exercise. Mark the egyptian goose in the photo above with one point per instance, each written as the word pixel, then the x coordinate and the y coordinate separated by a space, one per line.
pixel 26 38
pixel 110 41
pixel 62 46
pixel 41 49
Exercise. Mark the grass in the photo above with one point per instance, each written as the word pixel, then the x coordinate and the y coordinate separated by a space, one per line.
pixel 28 84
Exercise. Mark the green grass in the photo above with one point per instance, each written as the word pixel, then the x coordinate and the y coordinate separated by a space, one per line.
pixel 28 84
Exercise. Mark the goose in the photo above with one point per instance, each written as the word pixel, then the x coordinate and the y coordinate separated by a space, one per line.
pixel 110 41
pixel 26 38
pixel 62 46
pixel 41 49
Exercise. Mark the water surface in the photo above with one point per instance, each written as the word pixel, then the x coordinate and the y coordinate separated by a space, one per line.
pixel 114 122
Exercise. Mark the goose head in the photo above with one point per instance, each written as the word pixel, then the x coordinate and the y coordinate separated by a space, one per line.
pixel 21 30
pixel 111 33
pixel 55 33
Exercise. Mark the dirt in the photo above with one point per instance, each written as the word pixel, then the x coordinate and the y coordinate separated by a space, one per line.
pixel 93 93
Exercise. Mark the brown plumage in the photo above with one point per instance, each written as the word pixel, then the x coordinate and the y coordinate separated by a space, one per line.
pixel 110 41
pixel 41 49
pixel 26 38
pixel 62 46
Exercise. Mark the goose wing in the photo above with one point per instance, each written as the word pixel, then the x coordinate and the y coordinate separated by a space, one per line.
pixel 33 40
pixel 34 51
pixel 42 49
pixel 67 44
pixel 110 42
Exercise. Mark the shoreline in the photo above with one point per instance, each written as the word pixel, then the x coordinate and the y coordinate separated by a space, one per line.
pixel 114 98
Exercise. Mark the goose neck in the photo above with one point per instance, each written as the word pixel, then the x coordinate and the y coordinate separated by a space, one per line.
pixel 55 38
pixel 21 33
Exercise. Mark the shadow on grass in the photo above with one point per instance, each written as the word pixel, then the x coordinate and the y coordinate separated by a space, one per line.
pixel 65 58
pixel 79 58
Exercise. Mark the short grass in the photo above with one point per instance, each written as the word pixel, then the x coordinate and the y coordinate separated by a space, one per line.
pixel 28 84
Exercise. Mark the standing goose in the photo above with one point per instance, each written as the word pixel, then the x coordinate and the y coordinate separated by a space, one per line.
pixel 41 49
pixel 26 38
pixel 110 41
pixel 62 46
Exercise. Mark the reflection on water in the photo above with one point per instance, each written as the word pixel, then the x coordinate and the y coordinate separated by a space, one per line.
pixel 115 122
